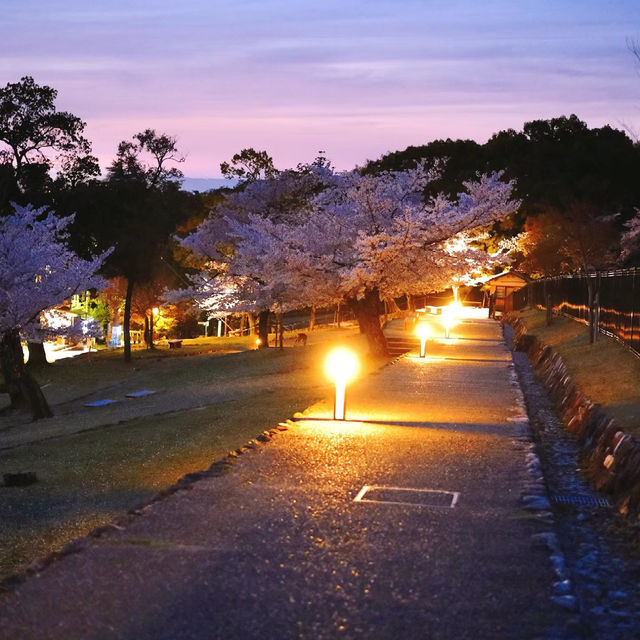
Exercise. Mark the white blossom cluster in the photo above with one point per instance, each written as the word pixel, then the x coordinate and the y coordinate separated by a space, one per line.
pixel 630 239
pixel 37 270
pixel 342 235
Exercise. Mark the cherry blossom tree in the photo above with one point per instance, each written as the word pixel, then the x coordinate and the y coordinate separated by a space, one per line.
pixel 630 240
pixel 37 271
pixel 233 281
pixel 359 239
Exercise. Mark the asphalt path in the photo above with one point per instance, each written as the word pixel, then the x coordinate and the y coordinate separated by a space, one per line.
pixel 333 529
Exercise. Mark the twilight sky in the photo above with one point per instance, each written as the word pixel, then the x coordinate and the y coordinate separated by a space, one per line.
pixel 355 78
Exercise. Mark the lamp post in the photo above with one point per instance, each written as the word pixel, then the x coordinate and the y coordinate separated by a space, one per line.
pixel 341 366
pixel 450 316
pixel 423 332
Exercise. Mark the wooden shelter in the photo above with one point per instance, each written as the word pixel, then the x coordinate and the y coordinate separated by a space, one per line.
pixel 499 288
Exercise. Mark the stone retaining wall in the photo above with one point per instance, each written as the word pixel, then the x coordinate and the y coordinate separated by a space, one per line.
pixel 614 457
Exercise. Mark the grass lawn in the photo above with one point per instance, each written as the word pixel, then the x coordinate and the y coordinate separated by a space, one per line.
pixel 92 463
pixel 606 371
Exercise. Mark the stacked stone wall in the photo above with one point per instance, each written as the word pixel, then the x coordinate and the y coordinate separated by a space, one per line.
pixel 613 456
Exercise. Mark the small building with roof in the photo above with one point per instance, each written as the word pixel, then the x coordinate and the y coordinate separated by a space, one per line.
pixel 500 286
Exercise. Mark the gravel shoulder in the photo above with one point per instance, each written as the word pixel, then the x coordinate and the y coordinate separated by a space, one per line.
pixel 600 547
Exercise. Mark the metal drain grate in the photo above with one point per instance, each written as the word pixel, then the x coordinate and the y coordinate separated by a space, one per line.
pixel 406 495
pixel 581 500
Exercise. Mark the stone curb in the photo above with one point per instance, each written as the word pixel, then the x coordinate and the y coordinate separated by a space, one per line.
pixel 218 468
pixel 613 456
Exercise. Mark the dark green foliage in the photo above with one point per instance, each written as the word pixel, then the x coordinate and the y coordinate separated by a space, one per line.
pixel 464 159
pixel 560 161
pixel 35 136
pixel 248 166
pixel 136 210
pixel 555 163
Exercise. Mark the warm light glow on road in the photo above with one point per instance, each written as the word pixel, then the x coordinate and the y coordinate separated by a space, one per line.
pixel 341 366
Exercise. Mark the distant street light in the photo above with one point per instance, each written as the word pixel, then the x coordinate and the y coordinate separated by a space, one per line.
pixel 423 332
pixel 258 343
pixel 450 315
pixel 341 366
pixel 155 312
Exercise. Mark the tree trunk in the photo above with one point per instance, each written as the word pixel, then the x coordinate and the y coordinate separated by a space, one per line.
pixel 367 313
pixel 279 331
pixel 338 315
pixel 22 387
pixel 37 356
pixel 243 323
pixel 593 293
pixel 312 319
pixel 151 328
pixel 596 314
pixel 263 328
pixel 547 302
pixel 252 323
pixel 549 309
pixel 126 322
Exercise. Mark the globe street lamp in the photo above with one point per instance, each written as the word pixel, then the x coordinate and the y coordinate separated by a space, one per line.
pixel 341 366
pixel 450 315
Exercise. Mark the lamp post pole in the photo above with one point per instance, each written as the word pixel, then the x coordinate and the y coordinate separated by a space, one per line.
pixel 340 403
pixel 422 331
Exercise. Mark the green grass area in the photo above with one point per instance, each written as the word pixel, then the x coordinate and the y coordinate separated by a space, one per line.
pixel 74 377
pixel 606 371
pixel 95 463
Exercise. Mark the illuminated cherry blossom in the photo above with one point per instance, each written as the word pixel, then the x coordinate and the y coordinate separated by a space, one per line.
pixel 357 239
pixel 37 271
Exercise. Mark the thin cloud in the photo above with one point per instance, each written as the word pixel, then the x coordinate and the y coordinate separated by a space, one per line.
pixel 354 78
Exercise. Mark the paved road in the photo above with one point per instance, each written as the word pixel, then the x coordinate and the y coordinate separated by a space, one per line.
pixel 279 549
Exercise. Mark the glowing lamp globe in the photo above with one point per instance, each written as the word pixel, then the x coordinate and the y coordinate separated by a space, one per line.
pixel 341 366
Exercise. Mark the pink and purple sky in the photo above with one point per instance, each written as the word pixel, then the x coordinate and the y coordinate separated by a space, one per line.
pixel 354 78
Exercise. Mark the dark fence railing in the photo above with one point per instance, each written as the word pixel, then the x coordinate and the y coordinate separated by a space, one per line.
pixel 615 299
